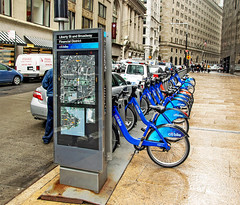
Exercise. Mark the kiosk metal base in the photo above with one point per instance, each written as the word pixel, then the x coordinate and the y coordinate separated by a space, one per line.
pixel 83 179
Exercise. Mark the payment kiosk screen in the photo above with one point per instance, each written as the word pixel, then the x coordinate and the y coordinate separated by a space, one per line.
pixel 77 108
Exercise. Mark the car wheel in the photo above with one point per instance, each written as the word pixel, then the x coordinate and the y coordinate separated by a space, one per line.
pixel 16 80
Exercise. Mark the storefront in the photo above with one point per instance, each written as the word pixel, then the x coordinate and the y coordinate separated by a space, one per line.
pixel 8 48
pixel 37 45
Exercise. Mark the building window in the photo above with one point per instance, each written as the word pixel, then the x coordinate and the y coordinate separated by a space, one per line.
pixel 144 41
pixel 102 26
pixel 38 11
pixel 88 4
pixel 86 23
pixel 5 7
pixel 102 10
pixel 70 25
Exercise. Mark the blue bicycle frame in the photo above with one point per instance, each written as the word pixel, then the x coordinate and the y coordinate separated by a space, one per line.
pixel 138 141
pixel 176 103
pixel 167 117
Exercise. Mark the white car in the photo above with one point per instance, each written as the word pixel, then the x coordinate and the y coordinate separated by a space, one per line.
pixel 136 73
pixel 216 68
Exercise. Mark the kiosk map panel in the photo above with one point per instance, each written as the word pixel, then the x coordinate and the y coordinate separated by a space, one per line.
pixel 77 90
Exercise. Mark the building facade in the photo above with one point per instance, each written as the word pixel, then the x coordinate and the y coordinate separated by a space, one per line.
pixel 190 30
pixel 33 23
pixel 128 18
pixel 151 29
pixel 230 50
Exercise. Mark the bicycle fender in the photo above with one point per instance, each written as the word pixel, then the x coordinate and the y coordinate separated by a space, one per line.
pixel 171 114
pixel 175 104
pixel 168 130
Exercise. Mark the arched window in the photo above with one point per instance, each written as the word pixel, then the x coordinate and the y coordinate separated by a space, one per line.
pixel 171 59
pixel 180 61
pixel 239 62
pixel 175 60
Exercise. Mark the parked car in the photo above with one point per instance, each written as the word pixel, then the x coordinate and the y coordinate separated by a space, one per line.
pixel 136 72
pixel 155 70
pixel 39 100
pixel 216 68
pixel 9 75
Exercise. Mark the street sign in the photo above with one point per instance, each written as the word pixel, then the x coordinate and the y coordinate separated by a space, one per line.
pixel 188 57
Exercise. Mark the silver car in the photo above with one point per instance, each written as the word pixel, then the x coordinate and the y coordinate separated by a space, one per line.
pixel 39 100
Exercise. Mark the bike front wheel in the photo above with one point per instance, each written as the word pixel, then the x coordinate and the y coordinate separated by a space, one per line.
pixel 144 105
pixel 180 147
pixel 130 118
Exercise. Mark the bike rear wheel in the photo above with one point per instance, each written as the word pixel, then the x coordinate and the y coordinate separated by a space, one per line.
pixel 180 148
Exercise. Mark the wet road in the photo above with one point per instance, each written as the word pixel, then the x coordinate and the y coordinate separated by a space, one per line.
pixel 23 156
pixel 8 89
pixel 211 174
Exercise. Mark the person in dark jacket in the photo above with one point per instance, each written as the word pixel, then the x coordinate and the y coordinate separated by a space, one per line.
pixel 47 84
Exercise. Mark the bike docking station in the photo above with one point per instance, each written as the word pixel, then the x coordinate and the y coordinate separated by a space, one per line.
pixel 79 108
pixel 82 77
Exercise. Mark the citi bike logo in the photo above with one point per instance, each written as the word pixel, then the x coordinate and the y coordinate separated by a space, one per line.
pixel 177 115
pixel 174 134
pixel 118 120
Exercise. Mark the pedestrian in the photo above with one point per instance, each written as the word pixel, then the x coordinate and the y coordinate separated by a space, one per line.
pixel 205 68
pixel 47 84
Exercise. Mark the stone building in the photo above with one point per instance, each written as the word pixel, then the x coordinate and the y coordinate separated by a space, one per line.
pixel 190 29
pixel 151 29
pixel 230 50
pixel 128 16
pixel 33 22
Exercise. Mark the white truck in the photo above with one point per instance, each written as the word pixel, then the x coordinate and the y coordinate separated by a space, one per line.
pixel 136 72
pixel 34 65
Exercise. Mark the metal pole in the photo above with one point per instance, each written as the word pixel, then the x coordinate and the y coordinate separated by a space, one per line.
pixel 186 51
pixel 61 26
pixel 15 48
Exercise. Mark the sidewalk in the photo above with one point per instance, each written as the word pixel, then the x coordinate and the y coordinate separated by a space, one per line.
pixel 210 175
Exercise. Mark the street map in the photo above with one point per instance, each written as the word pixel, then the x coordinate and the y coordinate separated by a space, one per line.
pixel 77 79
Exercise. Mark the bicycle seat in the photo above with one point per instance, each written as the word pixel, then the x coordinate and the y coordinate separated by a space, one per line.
pixel 159 108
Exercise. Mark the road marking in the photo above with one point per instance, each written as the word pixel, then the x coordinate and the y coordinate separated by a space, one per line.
pixel 215 130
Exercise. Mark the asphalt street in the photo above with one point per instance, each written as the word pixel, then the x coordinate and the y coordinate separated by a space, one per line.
pixel 23 157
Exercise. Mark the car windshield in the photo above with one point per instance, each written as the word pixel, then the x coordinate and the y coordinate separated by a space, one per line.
pixel 135 69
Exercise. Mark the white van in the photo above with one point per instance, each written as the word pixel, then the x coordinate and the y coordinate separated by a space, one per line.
pixel 34 65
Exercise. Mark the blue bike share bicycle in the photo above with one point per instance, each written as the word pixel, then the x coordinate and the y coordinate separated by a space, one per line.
pixel 163 116
pixel 167 145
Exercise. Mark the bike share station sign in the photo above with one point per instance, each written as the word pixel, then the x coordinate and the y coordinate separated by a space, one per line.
pixel 79 108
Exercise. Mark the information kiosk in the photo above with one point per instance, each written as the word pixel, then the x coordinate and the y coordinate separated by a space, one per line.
pixel 79 137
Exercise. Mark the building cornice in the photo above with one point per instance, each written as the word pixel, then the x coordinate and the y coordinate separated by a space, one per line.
pixel 137 6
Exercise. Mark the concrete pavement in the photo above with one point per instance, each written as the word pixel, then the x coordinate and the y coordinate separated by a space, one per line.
pixel 210 175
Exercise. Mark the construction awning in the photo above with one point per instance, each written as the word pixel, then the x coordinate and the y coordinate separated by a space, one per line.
pixel 4 38
pixel 38 42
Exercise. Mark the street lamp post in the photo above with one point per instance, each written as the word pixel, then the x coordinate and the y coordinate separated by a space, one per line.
pixel 186 47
